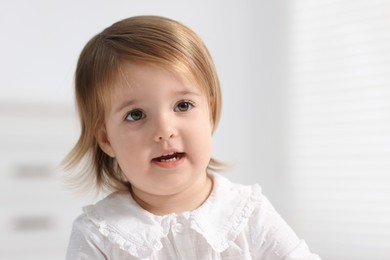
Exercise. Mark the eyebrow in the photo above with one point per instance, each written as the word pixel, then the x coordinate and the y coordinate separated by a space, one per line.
pixel 124 104
pixel 186 92
pixel 127 103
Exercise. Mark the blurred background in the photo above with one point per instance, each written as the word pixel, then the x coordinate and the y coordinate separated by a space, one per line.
pixel 306 88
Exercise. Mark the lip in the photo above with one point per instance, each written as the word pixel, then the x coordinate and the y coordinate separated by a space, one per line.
pixel 169 163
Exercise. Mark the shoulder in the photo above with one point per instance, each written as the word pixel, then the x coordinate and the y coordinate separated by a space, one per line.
pixel 226 213
pixel 122 224
pixel 248 213
pixel 85 240
pixel 95 219
pixel 224 187
pixel 235 197
pixel 113 209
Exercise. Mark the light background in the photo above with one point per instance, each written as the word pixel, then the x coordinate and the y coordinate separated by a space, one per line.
pixel 277 83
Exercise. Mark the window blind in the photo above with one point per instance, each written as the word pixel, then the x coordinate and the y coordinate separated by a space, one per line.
pixel 338 126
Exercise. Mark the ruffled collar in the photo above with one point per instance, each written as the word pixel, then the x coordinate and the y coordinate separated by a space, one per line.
pixel 219 219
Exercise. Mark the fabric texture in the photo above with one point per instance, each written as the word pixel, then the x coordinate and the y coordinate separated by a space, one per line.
pixel 235 222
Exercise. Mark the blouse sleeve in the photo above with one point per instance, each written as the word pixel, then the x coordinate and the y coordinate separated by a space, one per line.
pixel 273 238
pixel 85 243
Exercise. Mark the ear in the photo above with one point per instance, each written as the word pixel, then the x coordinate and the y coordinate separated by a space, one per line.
pixel 104 142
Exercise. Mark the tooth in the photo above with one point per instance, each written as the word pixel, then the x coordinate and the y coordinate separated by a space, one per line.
pixel 169 160
pixel 168 154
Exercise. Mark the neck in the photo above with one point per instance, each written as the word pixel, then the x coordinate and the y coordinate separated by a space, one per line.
pixel 186 200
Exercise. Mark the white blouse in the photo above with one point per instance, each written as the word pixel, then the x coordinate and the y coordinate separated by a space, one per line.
pixel 235 222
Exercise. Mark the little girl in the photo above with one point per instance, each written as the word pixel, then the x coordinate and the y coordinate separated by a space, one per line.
pixel 149 100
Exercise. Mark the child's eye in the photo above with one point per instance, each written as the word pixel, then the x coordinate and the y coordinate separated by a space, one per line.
pixel 135 115
pixel 183 106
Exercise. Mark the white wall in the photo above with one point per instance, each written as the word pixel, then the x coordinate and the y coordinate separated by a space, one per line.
pixel 337 148
pixel 40 44
pixel 42 40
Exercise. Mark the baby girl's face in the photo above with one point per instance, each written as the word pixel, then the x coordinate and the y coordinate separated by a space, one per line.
pixel 158 128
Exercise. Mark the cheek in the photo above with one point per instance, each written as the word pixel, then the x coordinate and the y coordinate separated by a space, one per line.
pixel 124 145
pixel 129 145
pixel 201 139
pixel 204 150
pixel 131 156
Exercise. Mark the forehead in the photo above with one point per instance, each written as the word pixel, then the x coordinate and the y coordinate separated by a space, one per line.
pixel 136 77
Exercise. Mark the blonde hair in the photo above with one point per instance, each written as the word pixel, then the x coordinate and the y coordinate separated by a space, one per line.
pixel 139 39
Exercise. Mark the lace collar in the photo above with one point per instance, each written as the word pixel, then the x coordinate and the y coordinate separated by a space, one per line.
pixel 219 219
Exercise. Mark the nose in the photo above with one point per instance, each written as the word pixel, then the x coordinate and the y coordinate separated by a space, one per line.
pixel 164 129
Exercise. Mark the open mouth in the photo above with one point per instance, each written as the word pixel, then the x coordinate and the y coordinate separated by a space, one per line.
pixel 171 157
